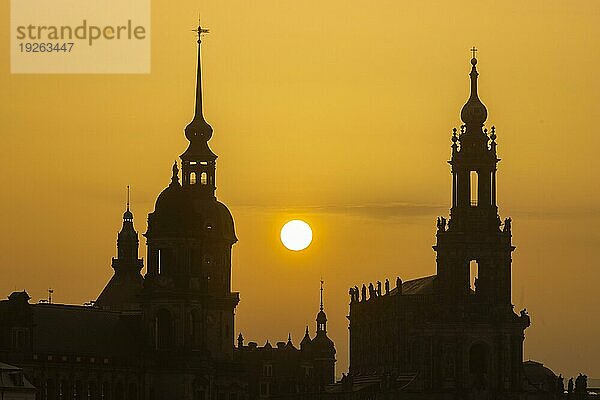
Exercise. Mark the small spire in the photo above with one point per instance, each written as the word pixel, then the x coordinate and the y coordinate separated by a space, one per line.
pixel 127 215
pixel 289 337
pixel 321 307
pixel 306 332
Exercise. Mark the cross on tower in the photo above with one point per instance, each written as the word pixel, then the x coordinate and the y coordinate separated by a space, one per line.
pixel 200 30
pixel 473 50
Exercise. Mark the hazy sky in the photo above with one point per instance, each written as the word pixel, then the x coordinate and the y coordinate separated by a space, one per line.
pixel 337 112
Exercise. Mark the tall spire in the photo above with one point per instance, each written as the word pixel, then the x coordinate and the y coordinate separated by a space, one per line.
pixel 199 128
pixel 473 113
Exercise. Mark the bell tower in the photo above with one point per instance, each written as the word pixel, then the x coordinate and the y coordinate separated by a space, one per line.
pixel 188 303
pixel 474 248
pixel 198 161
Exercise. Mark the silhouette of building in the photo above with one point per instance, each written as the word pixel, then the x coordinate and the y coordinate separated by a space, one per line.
pixel 168 334
pixel 286 371
pixel 453 333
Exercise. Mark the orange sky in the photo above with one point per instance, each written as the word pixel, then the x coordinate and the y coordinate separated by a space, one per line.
pixel 336 112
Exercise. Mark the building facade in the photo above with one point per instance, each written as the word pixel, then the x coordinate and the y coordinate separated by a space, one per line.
pixel 454 333
pixel 291 372
pixel 170 333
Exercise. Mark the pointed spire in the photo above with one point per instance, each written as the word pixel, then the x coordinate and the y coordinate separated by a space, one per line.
pixel 321 316
pixel 473 112
pixel 128 215
pixel 199 128
pixel 306 339
pixel 321 306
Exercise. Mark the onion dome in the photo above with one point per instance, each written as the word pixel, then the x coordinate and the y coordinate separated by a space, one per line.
pixel 179 212
pixel 473 112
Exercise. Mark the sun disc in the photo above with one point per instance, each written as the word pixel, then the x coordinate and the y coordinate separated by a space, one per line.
pixel 296 235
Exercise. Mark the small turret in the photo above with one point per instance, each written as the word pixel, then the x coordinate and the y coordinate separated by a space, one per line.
pixel 124 287
pixel 306 340
pixel 323 349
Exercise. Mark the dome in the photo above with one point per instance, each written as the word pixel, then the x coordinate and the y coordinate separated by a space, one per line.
pixel 181 211
pixel 128 215
pixel 169 200
pixel 322 343
pixel 321 317
pixel 537 370
pixel 474 111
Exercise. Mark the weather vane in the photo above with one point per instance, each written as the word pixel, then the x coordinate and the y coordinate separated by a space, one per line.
pixel 200 30
pixel 473 50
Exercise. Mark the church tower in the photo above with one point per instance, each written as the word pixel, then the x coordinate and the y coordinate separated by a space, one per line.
pixel 123 290
pixel 474 262
pixel 188 303
pixel 323 349
pixel 473 248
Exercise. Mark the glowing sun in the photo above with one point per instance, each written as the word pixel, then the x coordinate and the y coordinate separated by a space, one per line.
pixel 296 235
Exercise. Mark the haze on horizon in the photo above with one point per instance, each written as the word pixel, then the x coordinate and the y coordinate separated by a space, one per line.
pixel 337 113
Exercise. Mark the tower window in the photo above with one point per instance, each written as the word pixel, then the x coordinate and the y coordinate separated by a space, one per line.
pixel 474 188
pixel 203 178
pixel 473 275
pixel 159 263
pixel 193 178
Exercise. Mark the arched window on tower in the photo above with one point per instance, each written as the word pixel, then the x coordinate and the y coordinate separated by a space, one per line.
pixel 473 276
pixel 159 261
pixel 192 178
pixel 474 188
pixel 203 178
